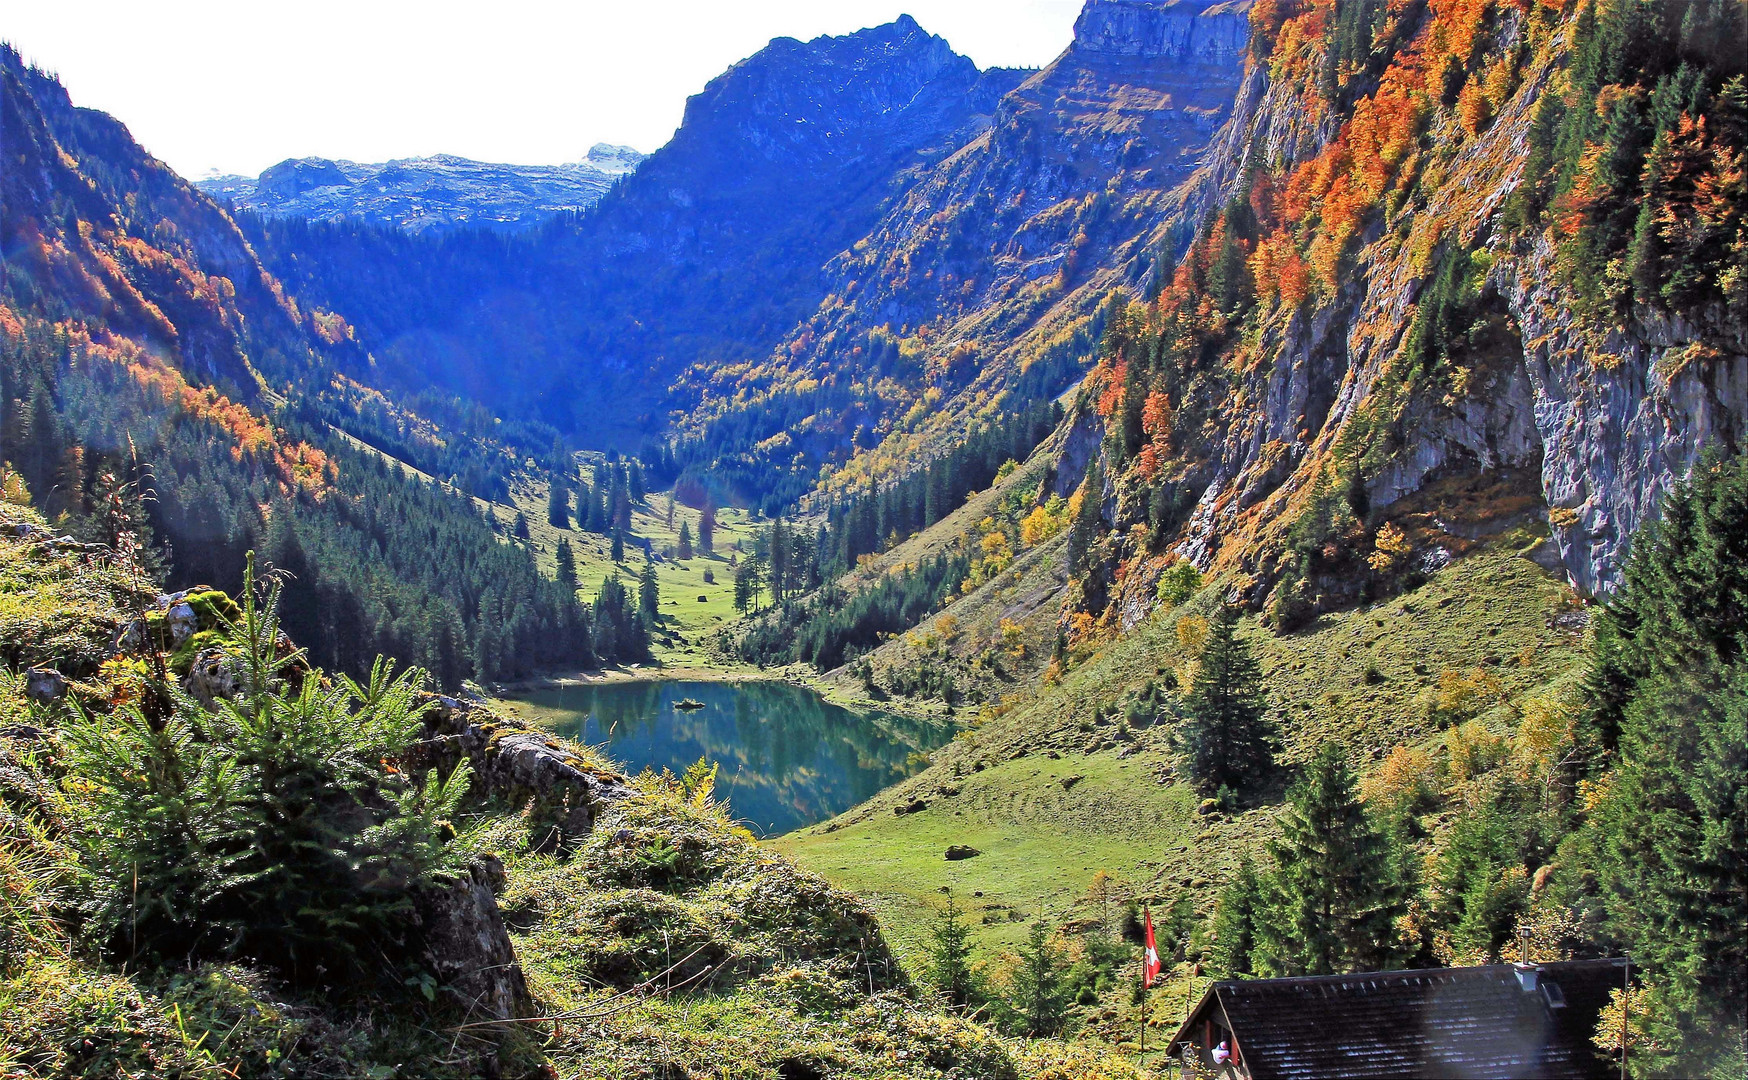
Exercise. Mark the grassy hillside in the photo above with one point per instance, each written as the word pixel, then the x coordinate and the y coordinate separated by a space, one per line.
pixel 1069 802
pixel 662 942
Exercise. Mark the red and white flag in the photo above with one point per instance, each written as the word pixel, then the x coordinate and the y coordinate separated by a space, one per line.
pixel 1150 958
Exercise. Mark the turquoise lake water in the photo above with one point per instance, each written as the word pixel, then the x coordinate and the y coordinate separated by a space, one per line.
pixel 787 757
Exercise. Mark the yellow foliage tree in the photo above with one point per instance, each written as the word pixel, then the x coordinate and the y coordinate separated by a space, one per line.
pixel 1391 550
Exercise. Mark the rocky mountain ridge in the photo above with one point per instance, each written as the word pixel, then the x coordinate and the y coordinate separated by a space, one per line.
pixel 430 194
pixel 1200 30
pixel 114 238
pixel 980 288
pixel 708 253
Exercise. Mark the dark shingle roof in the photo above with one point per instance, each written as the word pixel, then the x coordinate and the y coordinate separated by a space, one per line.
pixel 1475 1022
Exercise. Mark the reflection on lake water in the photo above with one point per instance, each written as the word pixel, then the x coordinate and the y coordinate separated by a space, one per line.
pixel 788 757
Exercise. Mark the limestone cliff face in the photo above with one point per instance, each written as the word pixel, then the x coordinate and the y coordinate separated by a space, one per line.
pixel 1206 31
pixel 1619 417
pixel 1605 414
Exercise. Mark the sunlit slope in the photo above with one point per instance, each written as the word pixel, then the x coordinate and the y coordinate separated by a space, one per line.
pixel 1370 676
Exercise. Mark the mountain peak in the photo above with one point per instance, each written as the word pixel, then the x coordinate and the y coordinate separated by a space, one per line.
pixel 794 97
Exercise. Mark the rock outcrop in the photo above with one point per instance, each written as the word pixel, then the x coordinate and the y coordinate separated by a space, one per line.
pixel 1610 413
pixel 1204 31
pixel 45 685
pixel 465 944
pixel 523 767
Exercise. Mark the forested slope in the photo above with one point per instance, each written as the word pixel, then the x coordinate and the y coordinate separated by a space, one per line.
pixel 155 380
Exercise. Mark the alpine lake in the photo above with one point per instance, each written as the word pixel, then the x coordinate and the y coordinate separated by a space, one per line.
pixel 787 758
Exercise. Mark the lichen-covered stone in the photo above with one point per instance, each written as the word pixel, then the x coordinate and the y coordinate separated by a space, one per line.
pixel 212 677
pixel 466 946
pixel 522 766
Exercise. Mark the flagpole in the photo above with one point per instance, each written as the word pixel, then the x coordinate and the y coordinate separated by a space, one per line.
pixel 1149 961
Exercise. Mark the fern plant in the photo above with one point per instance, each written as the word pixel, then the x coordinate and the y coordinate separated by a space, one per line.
pixel 280 827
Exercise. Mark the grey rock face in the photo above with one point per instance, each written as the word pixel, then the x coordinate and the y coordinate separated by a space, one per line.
pixel 1612 416
pixel 428 194
pixel 467 946
pixel 1621 420
pixel 1206 31
pixel 183 622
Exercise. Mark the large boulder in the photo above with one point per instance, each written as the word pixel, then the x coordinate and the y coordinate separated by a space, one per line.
pixel 466 946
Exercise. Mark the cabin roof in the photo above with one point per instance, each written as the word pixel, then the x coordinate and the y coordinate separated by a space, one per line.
pixel 1504 1020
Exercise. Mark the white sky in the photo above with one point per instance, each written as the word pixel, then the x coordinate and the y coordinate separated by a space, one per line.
pixel 237 85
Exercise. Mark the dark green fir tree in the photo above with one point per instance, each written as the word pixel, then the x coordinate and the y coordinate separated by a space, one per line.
pixel 1229 741
pixel 648 593
pixel 1241 907
pixel 618 546
pixel 707 527
pixel 558 502
pixel 1670 684
pixel 949 955
pixel 567 563
pixel 1037 1002
pixel 1334 898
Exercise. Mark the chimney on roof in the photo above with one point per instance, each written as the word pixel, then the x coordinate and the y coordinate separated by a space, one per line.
pixel 1526 971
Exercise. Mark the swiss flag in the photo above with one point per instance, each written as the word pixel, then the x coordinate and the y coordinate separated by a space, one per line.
pixel 1150 958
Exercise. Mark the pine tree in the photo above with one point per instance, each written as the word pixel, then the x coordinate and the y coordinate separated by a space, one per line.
pixel 777 555
pixel 648 593
pixel 670 511
pixel 1333 893
pixel 707 527
pixel 592 508
pixel 685 540
pixel 949 955
pixel 635 481
pixel 1230 743
pixel 749 582
pixel 618 546
pixel 1241 907
pixel 1037 1002
pixel 1084 531
pixel 558 502
pixel 520 529
pixel 1670 688
pixel 621 507
pixel 567 563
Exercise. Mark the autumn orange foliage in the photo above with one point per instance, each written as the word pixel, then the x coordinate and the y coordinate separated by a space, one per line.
pixel 298 465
